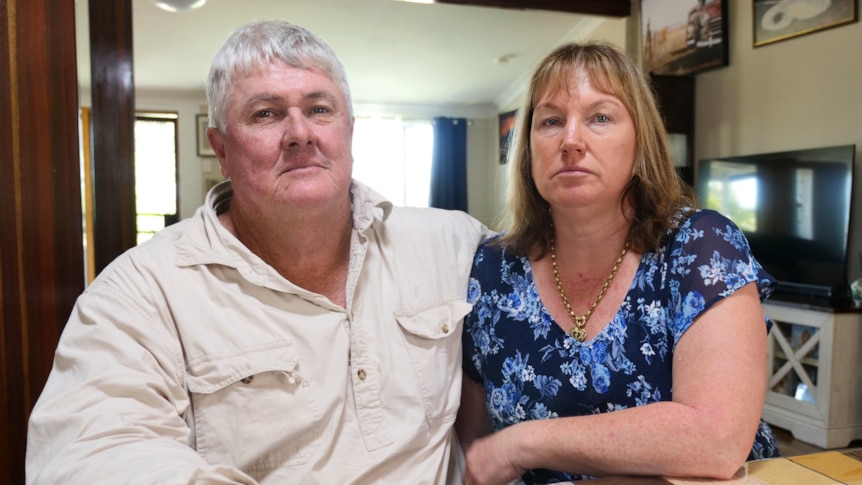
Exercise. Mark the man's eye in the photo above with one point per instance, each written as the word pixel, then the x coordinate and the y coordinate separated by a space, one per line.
pixel 320 110
pixel 264 114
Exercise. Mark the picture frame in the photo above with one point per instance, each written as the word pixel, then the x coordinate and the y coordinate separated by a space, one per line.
pixel 507 126
pixel 774 21
pixel 683 38
pixel 203 143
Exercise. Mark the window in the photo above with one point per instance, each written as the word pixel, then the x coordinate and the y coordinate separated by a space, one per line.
pixel 155 172
pixel 393 156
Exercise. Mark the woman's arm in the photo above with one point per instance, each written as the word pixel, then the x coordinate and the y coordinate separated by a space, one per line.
pixel 719 386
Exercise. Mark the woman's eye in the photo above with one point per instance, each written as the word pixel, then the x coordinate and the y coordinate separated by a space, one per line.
pixel 602 118
pixel 552 122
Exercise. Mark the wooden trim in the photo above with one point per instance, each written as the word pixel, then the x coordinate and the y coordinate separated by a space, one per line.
pixel 113 125
pixel 87 169
pixel 608 8
pixel 41 256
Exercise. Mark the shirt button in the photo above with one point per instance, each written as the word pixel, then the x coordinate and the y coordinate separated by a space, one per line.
pixel 247 380
pixel 361 374
pixel 445 327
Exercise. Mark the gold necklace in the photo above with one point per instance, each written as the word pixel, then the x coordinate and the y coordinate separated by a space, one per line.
pixel 577 332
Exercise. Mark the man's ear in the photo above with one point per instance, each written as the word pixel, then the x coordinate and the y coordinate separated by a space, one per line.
pixel 216 140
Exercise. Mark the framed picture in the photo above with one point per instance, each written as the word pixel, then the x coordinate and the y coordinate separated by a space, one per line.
pixel 204 148
pixel 776 20
pixel 684 37
pixel 507 125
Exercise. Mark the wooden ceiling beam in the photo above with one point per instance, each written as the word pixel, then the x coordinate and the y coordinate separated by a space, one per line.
pixel 606 8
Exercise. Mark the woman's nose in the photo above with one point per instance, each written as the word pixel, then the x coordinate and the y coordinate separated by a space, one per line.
pixel 573 140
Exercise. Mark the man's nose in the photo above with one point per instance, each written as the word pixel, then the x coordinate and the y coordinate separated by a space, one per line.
pixel 297 131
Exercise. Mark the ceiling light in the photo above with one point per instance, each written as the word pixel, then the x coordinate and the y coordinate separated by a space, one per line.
pixel 178 5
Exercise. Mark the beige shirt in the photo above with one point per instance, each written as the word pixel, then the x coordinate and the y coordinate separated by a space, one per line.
pixel 189 359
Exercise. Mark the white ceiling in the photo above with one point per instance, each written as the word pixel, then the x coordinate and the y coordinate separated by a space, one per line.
pixel 395 53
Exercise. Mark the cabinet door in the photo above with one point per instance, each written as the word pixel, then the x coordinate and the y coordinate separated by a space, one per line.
pixel 798 370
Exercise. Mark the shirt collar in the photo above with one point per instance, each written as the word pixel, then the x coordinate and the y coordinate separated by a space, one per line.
pixel 215 244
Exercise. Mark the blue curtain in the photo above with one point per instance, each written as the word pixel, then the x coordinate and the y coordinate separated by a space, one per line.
pixel 449 164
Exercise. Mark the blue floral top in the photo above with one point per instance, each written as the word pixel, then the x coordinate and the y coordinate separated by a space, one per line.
pixel 531 369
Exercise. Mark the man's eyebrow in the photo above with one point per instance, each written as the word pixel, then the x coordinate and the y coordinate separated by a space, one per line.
pixel 322 95
pixel 261 97
pixel 314 95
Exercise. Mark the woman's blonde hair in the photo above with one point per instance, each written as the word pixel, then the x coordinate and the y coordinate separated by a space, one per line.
pixel 656 193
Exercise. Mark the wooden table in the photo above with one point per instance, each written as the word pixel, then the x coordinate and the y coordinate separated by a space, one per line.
pixel 824 468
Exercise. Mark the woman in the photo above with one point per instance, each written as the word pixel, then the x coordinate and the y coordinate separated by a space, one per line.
pixel 609 303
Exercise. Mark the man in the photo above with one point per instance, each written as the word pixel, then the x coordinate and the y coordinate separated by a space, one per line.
pixel 297 329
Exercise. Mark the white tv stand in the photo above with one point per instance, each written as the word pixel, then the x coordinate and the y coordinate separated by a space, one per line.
pixel 814 389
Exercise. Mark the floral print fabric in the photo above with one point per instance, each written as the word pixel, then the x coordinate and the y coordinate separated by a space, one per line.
pixel 531 369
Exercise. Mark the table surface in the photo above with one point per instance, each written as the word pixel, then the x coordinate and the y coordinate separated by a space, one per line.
pixel 823 468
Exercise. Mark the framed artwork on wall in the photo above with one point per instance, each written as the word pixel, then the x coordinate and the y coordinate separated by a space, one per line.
pixel 204 148
pixel 784 19
pixel 684 37
pixel 507 125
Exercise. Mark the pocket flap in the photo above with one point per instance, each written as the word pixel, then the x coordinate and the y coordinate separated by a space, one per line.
pixel 435 322
pixel 210 373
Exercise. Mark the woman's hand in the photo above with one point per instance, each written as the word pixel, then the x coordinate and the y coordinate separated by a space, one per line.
pixel 493 460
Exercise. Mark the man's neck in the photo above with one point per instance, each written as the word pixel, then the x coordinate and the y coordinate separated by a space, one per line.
pixel 313 252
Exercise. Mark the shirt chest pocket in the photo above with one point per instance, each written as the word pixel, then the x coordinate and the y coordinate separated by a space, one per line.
pixel 433 338
pixel 253 409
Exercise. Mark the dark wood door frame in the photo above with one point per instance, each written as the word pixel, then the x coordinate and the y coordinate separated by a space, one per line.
pixel 41 241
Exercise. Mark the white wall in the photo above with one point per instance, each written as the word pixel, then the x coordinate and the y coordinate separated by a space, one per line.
pixel 802 92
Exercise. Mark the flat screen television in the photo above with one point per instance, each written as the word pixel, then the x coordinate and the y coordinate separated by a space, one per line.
pixel 795 210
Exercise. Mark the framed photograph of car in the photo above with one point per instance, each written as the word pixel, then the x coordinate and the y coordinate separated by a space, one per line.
pixel 684 37
pixel 776 20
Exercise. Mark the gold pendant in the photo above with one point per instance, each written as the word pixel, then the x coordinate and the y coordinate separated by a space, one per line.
pixel 578 334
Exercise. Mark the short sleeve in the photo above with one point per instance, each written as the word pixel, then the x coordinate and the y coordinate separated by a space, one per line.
pixel 708 259
pixel 472 334
pixel 489 288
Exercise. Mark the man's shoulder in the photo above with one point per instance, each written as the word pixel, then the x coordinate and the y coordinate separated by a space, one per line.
pixel 435 229
pixel 433 219
pixel 154 258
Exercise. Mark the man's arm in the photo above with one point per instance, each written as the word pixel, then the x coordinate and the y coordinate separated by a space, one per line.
pixel 113 409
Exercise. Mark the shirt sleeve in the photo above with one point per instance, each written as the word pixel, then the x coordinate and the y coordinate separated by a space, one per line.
pixel 113 409
pixel 708 259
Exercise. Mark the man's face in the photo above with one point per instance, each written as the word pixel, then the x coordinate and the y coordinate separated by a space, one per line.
pixel 287 140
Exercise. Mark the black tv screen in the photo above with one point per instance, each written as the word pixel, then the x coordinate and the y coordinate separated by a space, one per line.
pixel 794 208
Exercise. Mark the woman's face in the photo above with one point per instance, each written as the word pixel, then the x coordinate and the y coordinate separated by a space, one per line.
pixel 582 144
